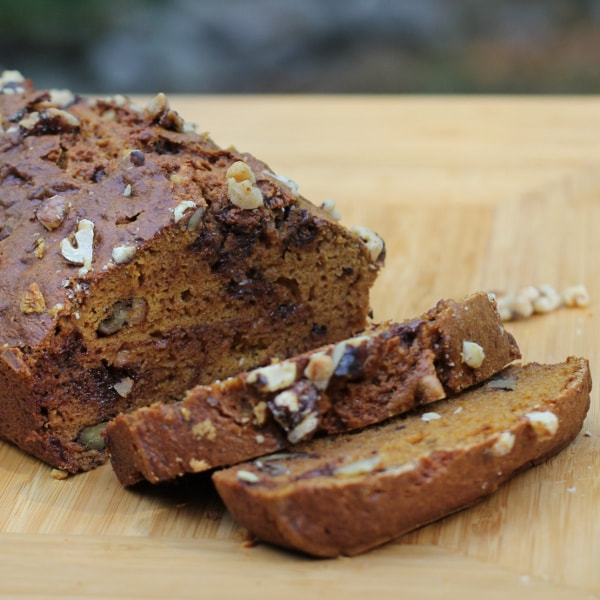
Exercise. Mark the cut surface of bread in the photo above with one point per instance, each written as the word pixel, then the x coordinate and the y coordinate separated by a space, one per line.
pixel 139 259
pixel 359 381
pixel 348 493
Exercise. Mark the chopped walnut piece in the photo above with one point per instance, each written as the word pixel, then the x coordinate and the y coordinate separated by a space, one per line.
pixel 156 106
pixel 539 299
pixel 289 183
pixel 158 111
pixel 248 476
pixel 374 243
pixel 548 299
pixel 51 212
pixel 330 208
pixel 198 465
pixel 274 377
pixel 430 416
pixel 82 253
pixel 358 467
pixel 260 413
pixel 472 354
pixel 205 429
pixel 33 301
pixel 544 423
pixel 181 209
pixel 123 387
pixel 349 356
pixel 59 474
pixel 304 429
pixel 431 388
pixel 56 99
pixel 121 314
pixel 196 219
pixel 240 186
pixel 319 369
pixel 40 247
pixel 503 445
pixel 288 400
pixel 11 82
pixel 576 296
pixel 30 121
pixel 123 254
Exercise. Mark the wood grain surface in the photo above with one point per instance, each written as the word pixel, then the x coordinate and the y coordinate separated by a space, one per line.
pixel 469 193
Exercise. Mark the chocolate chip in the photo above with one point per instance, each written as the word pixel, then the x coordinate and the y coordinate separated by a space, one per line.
pixel 137 158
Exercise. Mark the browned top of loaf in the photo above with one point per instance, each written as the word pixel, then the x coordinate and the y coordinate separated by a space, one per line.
pixel 126 169
pixel 351 492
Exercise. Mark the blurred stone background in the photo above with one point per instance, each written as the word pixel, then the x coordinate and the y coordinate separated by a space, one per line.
pixel 305 46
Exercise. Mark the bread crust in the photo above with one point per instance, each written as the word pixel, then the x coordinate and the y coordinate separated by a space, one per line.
pixel 380 373
pixel 463 458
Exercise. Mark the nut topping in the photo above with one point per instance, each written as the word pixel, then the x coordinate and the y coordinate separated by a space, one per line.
pixel 503 444
pixel 274 377
pixel 544 423
pixel 51 212
pixel 576 296
pixel 123 254
pixel 430 416
pixel 123 313
pixel 92 436
pixel 33 301
pixel 349 356
pixel 158 111
pixel 319 370
pixel 82 253
pixel 260 413
pixel 205 429
pixel 248 476
pixel 431 388
pixel 11 82
pixel 304 429
pixel 181 208
pixel 374 243
pixel 198 465
pixel 123 387
pixel 472 354
pixel 240 186
pixel 329 207
pixel 358 467
pixel 56 99
pixel 297 410
pixel 289 183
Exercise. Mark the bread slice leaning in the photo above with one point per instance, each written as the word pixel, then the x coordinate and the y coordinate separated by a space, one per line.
pixel 339 387
pixel 347 494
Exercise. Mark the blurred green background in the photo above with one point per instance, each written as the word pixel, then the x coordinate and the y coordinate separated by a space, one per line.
pixel 364 46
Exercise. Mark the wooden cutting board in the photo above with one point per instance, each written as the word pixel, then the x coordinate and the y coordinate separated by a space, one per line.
pixel 469 194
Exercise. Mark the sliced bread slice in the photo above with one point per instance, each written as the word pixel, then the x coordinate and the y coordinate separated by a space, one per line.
pixel 350 493
pixel 339 387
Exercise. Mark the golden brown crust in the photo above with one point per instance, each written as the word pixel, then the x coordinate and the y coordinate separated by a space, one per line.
pixel 131 270
pixel 383 372
pixel 360 490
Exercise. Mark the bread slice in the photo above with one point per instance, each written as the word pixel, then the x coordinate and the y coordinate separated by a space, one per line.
pixel 386 371
pixel 138 259
pixel 347 494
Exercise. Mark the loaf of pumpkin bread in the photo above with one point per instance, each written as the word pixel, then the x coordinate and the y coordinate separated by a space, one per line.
pixel 347 494
pixel 139 259
pixel 359 381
